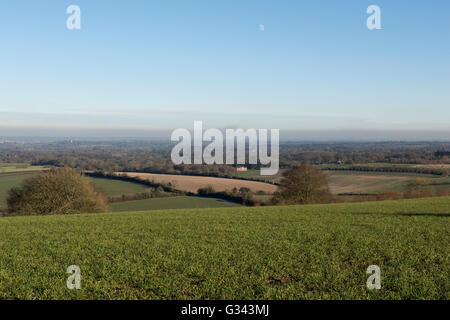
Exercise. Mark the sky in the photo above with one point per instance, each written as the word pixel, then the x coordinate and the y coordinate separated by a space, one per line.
pixel 290 65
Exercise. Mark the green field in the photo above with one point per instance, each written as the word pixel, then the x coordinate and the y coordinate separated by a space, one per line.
pixel 370 164
pixel 296 252
pixel 170 203
pixel 256 174
pixel 118 187
pixel 19 167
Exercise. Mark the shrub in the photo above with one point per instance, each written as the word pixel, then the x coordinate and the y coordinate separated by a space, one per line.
pixel 59 191
pixel 303 184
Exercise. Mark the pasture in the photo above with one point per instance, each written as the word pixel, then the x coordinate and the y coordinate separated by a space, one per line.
pixel 193 183
pixel 292 252
pixel 171 203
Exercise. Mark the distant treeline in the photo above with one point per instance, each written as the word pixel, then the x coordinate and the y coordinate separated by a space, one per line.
pixel 154 157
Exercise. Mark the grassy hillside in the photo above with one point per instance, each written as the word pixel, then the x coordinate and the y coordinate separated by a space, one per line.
pixel 296 252
pixel 171 203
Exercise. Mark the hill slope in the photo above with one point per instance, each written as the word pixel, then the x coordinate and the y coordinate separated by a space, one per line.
pixel 297 252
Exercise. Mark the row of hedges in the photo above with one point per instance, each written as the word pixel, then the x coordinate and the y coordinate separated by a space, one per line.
pixel 243 197
pixel 155 193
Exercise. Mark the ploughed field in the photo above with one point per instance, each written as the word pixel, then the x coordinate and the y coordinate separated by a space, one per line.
pixel 193 183
pixel 291 252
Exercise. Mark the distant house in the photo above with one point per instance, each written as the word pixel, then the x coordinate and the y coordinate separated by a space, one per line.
pixel 241 169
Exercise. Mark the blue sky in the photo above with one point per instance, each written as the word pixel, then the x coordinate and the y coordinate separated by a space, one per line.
pixel 164 64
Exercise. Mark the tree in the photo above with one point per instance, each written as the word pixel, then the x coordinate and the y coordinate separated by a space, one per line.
pixel 59 191
pixel 302 185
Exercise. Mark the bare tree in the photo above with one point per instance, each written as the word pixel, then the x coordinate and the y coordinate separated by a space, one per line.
pixel 302 185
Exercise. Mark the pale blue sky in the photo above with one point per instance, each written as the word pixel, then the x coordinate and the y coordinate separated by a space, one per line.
pixel 164 64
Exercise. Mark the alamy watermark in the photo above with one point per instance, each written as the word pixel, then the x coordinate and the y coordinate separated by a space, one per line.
pixel 374 281
pixel 74 280
pixel 374 20
pixel 236 143
pixel 73 22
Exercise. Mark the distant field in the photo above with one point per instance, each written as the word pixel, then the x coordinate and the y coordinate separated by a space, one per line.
pixel 374 164
pixel 193 183
pixel 19 167
pixel 294 252
pixel 433 166
pixel 410 165
pixel 117 187
pixel 170 203
pixel 256 174
pixel 375 182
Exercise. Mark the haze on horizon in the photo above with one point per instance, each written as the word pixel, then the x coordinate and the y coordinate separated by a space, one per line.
pixel 309 68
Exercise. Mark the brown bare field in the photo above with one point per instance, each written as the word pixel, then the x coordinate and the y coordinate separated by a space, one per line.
pixel 193 183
